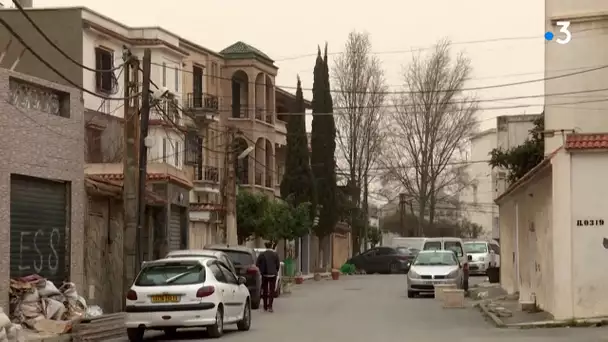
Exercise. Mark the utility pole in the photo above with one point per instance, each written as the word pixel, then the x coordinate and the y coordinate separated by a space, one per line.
pixel 365 212
pixel 131 107
pixel 230 191
pixel 143 152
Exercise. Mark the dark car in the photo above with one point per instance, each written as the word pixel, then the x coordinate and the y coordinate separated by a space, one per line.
pixel 383 260
pixel 244 260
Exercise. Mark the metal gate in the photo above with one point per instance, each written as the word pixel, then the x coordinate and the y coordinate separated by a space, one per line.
pixel 174 229
pixel 39 232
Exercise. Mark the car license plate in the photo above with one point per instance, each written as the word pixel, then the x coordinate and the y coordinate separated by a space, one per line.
pixel 165 299
pixel 428 282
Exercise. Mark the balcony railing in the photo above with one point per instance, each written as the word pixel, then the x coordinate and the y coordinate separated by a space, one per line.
pixel 203 102
pixel 167 110
pixel 209 174
pixel 259 113
pixel 240 112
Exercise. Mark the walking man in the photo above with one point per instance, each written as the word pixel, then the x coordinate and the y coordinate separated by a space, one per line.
pixel 268 262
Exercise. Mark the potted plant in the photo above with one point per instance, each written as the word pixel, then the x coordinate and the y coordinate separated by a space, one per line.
pixel 335 274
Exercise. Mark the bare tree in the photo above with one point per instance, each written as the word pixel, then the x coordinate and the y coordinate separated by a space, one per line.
pixel 361 90
pixel 430 126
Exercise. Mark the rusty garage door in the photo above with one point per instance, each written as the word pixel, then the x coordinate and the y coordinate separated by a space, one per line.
pixel 38 226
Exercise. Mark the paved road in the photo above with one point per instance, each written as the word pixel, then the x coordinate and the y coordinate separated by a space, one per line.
pixel 376 308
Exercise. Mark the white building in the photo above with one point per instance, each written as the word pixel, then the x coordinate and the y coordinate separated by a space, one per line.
pixel 553 220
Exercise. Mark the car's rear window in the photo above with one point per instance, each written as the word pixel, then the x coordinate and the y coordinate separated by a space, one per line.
pixel 432 246
pixel 240 258
pixel 455 247
pixel 403 250
pixel 171 273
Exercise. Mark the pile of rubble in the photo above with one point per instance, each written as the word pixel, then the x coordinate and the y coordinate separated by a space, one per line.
pixel 38 304
pixel 9 332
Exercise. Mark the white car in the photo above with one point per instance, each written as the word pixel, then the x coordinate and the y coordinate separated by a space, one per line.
pixel 186 292
pixel 277 285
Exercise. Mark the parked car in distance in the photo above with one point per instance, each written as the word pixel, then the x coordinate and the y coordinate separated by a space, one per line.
pixel 456 245
pixel 383 260
pixel 277 293
pixel 205 253
pixel 186 292
pixel 433 267
pixel 244 261
pixel 484 255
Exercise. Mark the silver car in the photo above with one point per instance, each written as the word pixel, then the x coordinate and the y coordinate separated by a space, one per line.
pixel 433 267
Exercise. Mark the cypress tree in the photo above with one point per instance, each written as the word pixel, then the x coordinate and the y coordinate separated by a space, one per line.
pixel 297 183
pixel 323 143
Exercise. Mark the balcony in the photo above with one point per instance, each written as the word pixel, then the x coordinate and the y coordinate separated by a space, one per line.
pixel 240 112
pixel 268 183
pixel 166 110
pixel 207 179
pixel 203 106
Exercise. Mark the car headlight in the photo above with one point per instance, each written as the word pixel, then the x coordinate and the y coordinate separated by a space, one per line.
pixel 413 274
pixel 453 274
pixel 482 259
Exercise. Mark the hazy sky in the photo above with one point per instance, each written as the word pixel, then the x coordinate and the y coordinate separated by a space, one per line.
pixel 286 29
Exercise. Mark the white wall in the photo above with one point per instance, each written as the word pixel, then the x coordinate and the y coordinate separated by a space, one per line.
pixel 175 146
pixel 587 49
pixel 589 202
pixel 478 198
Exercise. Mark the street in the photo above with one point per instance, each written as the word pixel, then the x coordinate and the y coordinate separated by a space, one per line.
pixel 375 307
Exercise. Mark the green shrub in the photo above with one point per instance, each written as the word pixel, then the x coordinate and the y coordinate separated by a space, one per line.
pixel 347 269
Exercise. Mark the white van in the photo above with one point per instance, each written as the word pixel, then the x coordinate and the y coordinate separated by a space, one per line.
pixel 457 246
pixel 484 255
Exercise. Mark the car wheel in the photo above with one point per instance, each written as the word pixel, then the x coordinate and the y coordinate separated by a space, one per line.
pixel 393 268
pixel 217 330
pixel 255 302
pixel 245 323
pixel 135 334
pixel 411 294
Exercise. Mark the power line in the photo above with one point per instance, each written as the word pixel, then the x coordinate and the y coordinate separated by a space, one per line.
pixel 50 66
pixel 50 41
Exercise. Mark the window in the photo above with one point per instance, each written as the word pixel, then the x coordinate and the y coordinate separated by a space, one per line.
pixel 438 258
pixel 164 156
pixel 476 247
pixel 164 74
pixel 240 258
pixel 217 273
pixel 495 248
pixel 228 275
pixel 454 246
pixel 213 72
pixel 385 251
pixel 403 251
pixel 176 154
pixel 171 273
pixel 104 60
pixel 432 246
pixel 176 78
pixel 94 154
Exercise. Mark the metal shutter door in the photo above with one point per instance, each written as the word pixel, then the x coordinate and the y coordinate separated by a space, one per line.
pixel 175 228
pixel 38 228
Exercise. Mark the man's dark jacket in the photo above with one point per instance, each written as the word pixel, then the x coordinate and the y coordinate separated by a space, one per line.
pixel 268 262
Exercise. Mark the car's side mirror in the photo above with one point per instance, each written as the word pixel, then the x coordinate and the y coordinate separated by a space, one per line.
pixel 469 257
pixel 242 280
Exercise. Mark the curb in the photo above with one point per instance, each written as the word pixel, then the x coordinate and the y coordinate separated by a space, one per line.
pixel 58 338
pixel 487 313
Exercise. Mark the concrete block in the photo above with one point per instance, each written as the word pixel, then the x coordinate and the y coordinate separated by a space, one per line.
pixel 453 298
pixel 439 288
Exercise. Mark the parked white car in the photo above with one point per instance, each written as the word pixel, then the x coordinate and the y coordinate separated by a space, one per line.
pixel 484 255
pixel 186 292
pixel 277 293
pixel 434 267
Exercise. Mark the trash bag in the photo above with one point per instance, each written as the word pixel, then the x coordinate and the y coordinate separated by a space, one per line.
pixel 47 288
pixel 4 320
pixel 15 333
pixel 94 311
pixel 69 291
pixel 53 309
pixel 31 296
pixel 30 309
pixel 3 337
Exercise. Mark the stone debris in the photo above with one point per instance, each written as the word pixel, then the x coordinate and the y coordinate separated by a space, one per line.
pixel 499 310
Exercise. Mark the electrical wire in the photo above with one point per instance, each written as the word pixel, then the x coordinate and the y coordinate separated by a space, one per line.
pixel 50 66
pixel 50 41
